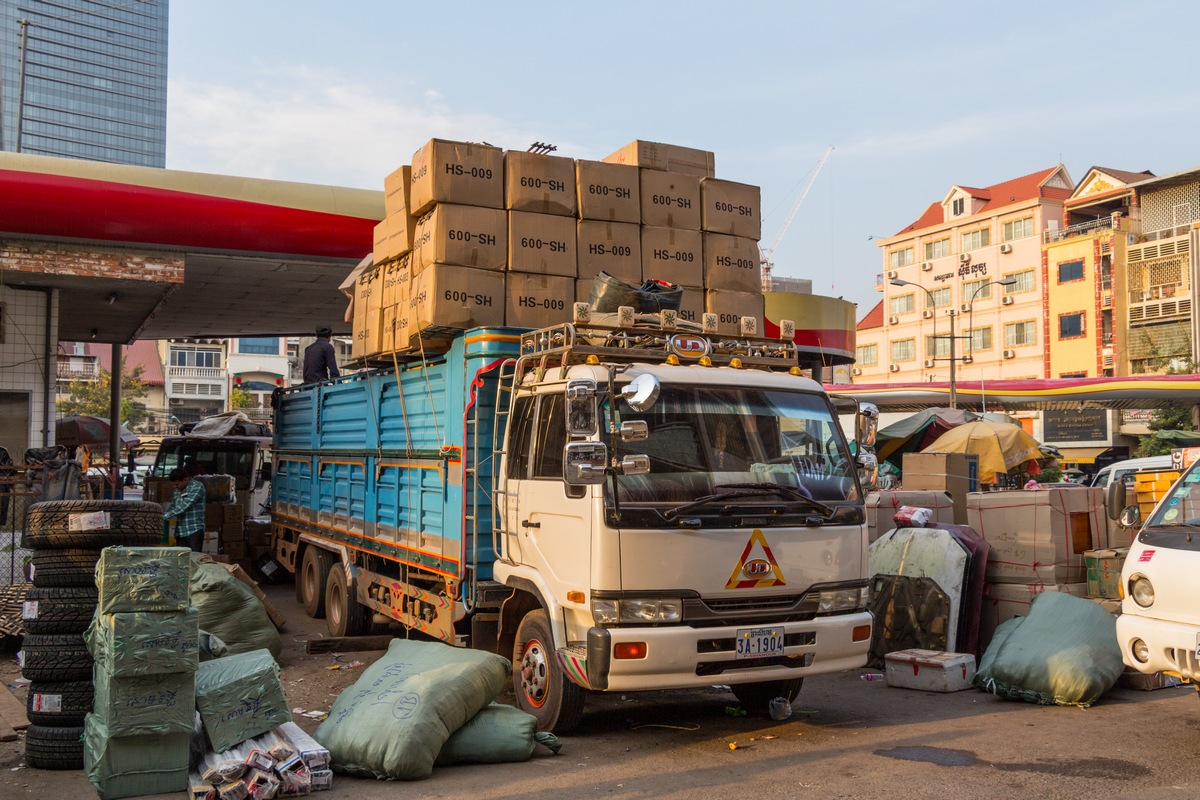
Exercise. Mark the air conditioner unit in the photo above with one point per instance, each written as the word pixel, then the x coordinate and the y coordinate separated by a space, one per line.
pixel 893 368
pixel 964 258
pixel 1006 248
pixel 968 359
pixel 893 320
pixel 966 307
pixel 892 274
pixel 856 372
pixel 1007 300
pixel 929 363
pixel 927 266
pixel 1010 353
pixel 927 313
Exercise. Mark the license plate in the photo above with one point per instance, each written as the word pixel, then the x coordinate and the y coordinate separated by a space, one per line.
pixel 759 642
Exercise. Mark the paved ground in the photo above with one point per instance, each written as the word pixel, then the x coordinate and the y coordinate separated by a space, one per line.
pixel 850 739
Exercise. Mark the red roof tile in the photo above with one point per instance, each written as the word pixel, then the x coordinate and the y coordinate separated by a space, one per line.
pixel 873 319
pixel 998 195
pixel 143 352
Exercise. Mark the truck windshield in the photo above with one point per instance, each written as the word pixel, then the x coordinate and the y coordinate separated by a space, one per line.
pixel 1181 511
pixel 210 456
pixel 702 439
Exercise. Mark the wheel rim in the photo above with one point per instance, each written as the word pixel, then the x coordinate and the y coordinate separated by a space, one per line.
pixel 535 674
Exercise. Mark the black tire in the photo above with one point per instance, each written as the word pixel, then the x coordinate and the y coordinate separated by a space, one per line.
pixel 313 580
pixel 56 657
pixel 54 748
pixel 538 680
pixel 64 567
pixel 59 704
pixel 134 524
pixel 756 697
pixel 344 615
pixel 59 609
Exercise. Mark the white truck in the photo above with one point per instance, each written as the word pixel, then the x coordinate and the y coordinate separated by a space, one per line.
pixel 616 507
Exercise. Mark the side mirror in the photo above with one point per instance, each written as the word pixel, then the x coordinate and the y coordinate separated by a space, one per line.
pixel 1115 498
pixel 582 417
pixel 868 471
pixel 585 463
pixel 634 430
pixel 866 425
pixel 635 465
pixel 641 393
pixel 1130 517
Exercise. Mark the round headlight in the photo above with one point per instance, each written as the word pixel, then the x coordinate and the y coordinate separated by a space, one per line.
pixel 1142 591
pixel 1140 650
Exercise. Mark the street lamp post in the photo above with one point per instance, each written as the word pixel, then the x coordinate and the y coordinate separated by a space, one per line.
pixel 953 357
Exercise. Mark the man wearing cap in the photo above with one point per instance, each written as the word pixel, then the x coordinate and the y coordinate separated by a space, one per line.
pixel 320 361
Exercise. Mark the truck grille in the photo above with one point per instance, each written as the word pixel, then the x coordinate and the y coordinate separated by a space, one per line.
pixel 714 612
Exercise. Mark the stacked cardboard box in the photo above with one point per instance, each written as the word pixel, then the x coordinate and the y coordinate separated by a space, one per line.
pixel 1038 541
pixel 477 236
pixel 145 642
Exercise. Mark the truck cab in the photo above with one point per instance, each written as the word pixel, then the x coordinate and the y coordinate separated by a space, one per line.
pixel 1159 625
pixel 246 458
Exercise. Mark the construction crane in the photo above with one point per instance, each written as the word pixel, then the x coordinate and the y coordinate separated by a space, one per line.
pixel 766 254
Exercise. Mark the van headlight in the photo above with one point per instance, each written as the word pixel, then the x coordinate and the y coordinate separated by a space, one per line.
pixel 637 611
pixel 841 601
pixel 1141 590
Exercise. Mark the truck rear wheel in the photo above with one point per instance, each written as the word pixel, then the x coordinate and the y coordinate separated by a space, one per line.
pixel 313 579
pixel 756 697
pixel 344 615
pixel 538 680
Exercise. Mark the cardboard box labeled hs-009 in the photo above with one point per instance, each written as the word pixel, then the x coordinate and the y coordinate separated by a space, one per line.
pixel 538 301
pixel 732 263
pixel 456 172
pixel 673 255
pixel 612 247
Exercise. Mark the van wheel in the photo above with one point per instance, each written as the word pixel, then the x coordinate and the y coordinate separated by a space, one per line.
pixel 313 579
pixel 756 697
pixel 344 615
pixel 538 680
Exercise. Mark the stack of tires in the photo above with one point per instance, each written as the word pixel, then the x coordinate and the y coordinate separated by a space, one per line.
pixel 59 608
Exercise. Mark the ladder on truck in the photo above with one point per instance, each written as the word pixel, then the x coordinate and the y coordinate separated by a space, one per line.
pixel 505 389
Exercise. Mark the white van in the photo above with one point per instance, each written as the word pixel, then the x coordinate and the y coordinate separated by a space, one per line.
pixel 1118 470
pixel 1160 606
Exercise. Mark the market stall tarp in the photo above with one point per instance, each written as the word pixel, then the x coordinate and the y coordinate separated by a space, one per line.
pixel 915 433
pixel 1000 446
pixel 82 429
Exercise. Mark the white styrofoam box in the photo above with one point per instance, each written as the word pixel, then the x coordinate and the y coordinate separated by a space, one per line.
pixel 929 670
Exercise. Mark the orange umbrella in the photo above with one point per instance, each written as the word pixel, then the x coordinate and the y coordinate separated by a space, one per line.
pixel 999 445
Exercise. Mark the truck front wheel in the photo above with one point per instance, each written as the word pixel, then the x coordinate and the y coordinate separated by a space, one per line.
pixel 538 681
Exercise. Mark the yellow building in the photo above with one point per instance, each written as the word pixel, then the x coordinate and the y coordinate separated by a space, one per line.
pixel 972 265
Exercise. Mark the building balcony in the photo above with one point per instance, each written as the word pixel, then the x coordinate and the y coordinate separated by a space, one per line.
pixel 78 372
pixel 1079 229
pixel 197 373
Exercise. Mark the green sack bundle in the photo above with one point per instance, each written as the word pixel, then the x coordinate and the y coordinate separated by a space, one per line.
pixel 240 697
pixel 136 643
pixel 497 734
pixel 392 723
pixel 144 705
pixel 132 766
pixel 230 611
pixel 1065 652
pixel 143 579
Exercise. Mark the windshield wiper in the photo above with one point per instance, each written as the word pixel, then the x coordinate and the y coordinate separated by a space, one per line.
pixel 752 490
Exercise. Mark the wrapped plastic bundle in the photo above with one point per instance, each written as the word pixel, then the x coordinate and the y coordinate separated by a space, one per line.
pixel 497 734
pixel 240 697
pixel 135 643
pixel 143 579
pixel 229 610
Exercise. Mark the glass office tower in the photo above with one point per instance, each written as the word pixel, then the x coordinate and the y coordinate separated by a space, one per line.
pixel 85 79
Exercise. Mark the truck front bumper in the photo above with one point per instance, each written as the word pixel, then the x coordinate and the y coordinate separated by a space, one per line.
pixel 679 657
pixel 1173 646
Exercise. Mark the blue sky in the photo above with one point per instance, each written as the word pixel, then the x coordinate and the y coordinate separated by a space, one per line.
pixel 914 96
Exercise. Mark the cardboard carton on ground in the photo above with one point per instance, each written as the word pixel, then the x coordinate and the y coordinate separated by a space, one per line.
pixel 465 236
pixel 538 301
pixel 608 192
pixel 1039 535
pixel 1104 572
pixel 454 297
pixel 673 255
pixel 396 188
pixel 669 157
pixel 542 244
pixel 730 307
pixel 612 247
pixel 539 183
pixel 456 172
pixel 881 506
pixel 929 670
pixel 954 473
pixel 670 199
pixel 732 263
pixel 734 209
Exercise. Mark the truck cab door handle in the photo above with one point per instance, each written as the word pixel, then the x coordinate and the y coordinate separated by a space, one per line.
pixel 527 524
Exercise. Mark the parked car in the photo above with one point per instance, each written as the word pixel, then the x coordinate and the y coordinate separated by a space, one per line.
pixel 1123 468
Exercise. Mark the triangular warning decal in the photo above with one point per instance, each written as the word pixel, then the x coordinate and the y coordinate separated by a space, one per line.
pixel 756 573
